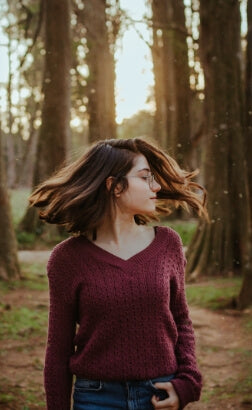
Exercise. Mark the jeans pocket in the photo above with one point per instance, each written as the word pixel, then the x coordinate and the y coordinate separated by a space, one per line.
pixel 161 393
pixel 88 385
pixel 162 379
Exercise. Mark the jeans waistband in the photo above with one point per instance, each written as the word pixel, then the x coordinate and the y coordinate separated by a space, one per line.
pixel 80 381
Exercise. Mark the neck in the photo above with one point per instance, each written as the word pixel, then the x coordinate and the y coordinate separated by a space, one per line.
pixel 117 226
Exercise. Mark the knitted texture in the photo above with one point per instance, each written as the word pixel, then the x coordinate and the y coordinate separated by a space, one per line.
pixel 132 316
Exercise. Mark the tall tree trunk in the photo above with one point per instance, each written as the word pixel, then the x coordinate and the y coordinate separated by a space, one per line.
pixel 9 267
pixel 101 79
pixel 172 88
pixel 158 24
pixel 54 133
pixel 25 174
pixel 181 142
pixel 244 298
pixel 220 247
pixel 10 142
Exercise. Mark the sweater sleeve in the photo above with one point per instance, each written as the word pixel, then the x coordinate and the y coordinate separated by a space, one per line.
pixel 61 332
pixel 188 380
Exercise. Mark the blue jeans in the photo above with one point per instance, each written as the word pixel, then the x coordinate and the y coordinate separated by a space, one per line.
pixel 129 395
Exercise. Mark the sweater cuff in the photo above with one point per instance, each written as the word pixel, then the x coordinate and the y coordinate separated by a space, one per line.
pixel 185 392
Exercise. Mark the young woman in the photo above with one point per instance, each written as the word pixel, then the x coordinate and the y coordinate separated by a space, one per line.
pixel 118 314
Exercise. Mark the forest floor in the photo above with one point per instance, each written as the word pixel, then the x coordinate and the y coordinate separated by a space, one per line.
pixel 224 343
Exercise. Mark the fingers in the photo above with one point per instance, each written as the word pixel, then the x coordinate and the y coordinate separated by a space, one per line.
pixel 166 404
pixel 163 404
pixel 171 403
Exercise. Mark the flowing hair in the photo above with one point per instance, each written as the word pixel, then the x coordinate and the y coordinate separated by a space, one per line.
pixel 76 196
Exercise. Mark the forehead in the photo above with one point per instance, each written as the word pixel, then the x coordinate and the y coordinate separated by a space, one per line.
pixel 140 162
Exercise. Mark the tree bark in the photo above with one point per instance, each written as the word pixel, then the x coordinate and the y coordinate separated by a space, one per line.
pixel 160 119
pixel 244 299
pixel 9 267
pixel 220 247
pixel 25 174
pixel 10 142
pixel 101 79
pixel 181 142
pixel 54 135
pixel 171 71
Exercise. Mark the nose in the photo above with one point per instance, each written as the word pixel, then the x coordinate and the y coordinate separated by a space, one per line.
pixel 155 186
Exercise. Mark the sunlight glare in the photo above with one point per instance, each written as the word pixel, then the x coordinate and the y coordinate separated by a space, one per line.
pixel 134 75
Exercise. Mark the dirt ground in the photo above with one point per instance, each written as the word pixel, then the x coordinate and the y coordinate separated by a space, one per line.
pixel 223 346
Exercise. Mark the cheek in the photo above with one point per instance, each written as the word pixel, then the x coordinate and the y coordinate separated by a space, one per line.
pixel 136 201
pixel 132 197
pixel 136 193
pixel 137 186
pixel 128 198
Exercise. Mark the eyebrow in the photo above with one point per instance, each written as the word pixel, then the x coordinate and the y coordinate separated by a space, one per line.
pixel 144 169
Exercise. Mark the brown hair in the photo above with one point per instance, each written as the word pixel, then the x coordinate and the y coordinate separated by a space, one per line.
pixel 77 196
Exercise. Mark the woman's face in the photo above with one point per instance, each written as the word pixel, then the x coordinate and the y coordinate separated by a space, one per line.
pixel 140 196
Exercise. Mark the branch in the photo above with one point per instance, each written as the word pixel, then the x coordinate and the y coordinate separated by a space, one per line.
pixel 36 33
pixel 154 25
pixel 130 21
pixel 28 18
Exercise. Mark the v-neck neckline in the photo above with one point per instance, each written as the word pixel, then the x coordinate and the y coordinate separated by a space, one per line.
pixel 140 256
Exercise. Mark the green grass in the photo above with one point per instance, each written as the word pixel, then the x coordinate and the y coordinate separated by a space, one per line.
pixel 6 398
pixel 19 203
pixel 21 322
pixel 30 240
pixel 185 229
pixel 35 268
pixel 26 239
pixel 232 389
pixel 248 323
pixel 27 399
pixel 33 277
pixel 214 294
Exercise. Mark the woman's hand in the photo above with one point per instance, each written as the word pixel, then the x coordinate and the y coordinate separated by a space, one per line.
pixel 171 403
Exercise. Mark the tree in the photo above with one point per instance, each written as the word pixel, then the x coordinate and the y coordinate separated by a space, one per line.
pixel 220 247
pixel 9 267
pixel 244 298
pixel 21 25
pixel 171 70
pixel 10 142
pixel 158 52
pixel 54 135
pixel 139 125
pixel 101 66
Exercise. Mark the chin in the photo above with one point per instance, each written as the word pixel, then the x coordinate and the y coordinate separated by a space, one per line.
pixel 148 211
pixel 145 211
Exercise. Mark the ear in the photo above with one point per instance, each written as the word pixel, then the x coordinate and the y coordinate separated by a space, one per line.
pixel 109 182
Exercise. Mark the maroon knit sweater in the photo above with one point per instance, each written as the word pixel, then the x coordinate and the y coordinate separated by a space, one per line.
pixel 132 315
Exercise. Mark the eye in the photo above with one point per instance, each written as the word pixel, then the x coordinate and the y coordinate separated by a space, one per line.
pixel 146 177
